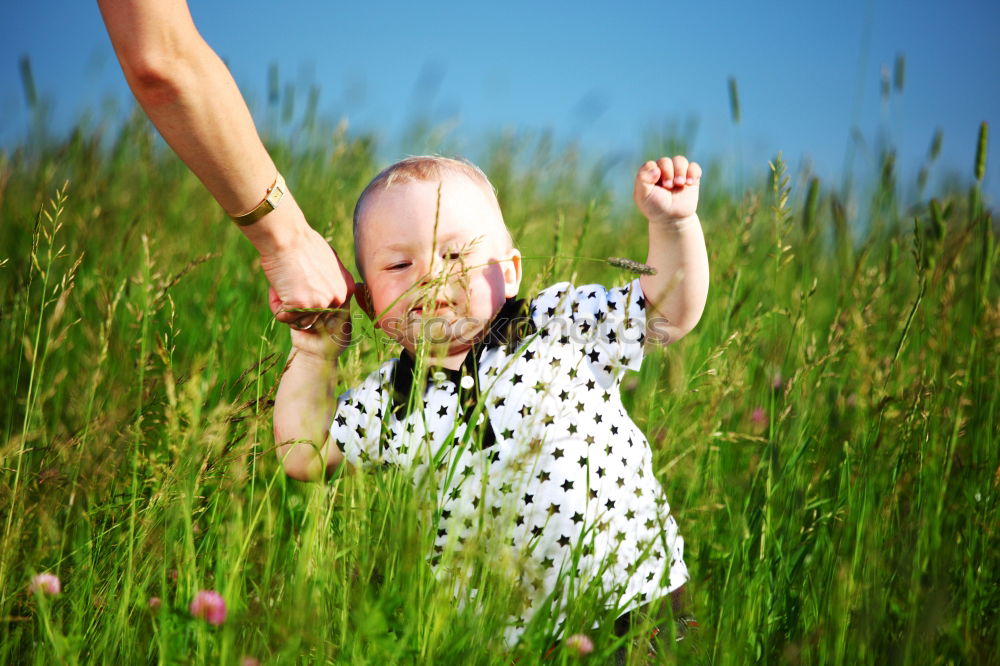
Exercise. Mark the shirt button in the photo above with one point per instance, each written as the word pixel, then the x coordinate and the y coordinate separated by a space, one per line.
pixel 468 382
pixel 439 376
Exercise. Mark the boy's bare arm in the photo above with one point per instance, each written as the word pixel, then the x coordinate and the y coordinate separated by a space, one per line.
pixel 192 99
pixel 306 399
pixel 666 191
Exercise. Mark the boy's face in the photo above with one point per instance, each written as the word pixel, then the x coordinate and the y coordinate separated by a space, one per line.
pixel 444 287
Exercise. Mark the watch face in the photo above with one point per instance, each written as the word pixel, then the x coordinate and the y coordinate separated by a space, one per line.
pixel 275 196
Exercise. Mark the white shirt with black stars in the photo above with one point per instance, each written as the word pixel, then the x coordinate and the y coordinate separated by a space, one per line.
pixel 532 453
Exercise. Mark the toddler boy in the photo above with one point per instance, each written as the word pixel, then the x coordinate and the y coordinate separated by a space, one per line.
pixel 507 411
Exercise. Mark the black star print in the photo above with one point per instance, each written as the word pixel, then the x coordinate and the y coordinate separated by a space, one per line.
pixel 467 471
pixel 499 402
pixel 555 362
pixel 543 334
pixel 536 530
pixel 548 420
pixel 579 407
pixel 593 493
pixel 446 514
pixel 590 384
pixel 563 540
pixel 454 493
pixel 443 411
pixel 630 514
pixel 360 431
pixel 525 411
pixel 543 476
pixel 553 508
pixel 612 337
pixel 506 489
pixel 409 427
pixel 547 563
pixel 572 428
pixel 607 396
pixel 592 294
pixel 594 355
pixel 341 419
pixel 607 450
pixel 582 461
pixel 564 340
pixel 612 305
pixel 650 524
pixel 564 395
pixel 557 454
pixel 585 327
pixel 589 439
pixel 608 369
pixel 641 302
pixel 573 372
pixel 621 482
pixel 551 311
pixel 567 485
pixel 528 498
pixel 600 472
pixel 638 492
pixel 539 386
pixel 517 378
pixel 614 430
pixel 507 433
pixel 577 517
pixel 519 521
pixel 642 338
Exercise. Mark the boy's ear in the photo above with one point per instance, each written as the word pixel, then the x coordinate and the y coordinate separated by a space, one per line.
pixel 364 299
pixel 512 274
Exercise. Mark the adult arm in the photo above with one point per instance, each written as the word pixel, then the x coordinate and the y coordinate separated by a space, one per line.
pixel 192 99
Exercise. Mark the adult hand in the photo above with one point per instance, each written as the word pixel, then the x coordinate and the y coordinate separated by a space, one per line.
pixel 305 273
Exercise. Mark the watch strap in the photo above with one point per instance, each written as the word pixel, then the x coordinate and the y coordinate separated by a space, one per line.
pixel 272 198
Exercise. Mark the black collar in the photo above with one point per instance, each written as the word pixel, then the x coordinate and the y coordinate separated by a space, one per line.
pixel 509 327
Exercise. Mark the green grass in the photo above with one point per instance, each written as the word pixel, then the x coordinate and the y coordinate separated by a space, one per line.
pixel 827 436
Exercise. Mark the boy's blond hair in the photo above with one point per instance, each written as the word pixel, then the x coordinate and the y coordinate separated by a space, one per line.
pixel 421 168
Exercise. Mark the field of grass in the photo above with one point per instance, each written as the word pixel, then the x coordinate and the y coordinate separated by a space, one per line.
pixel 828 436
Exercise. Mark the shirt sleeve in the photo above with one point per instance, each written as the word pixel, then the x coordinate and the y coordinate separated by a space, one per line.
pixel 357 424
pixel 609 324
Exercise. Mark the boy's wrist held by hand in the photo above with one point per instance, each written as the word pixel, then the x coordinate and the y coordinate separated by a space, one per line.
pixel 315 357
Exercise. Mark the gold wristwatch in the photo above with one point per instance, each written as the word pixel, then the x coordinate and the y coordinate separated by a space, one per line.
pixel 271 200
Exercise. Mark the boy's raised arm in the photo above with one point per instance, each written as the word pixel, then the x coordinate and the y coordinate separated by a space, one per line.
pixel 192 99
pixel 306 399
pixel 666 191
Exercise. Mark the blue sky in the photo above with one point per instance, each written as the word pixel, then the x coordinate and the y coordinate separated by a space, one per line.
pixel 602 73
